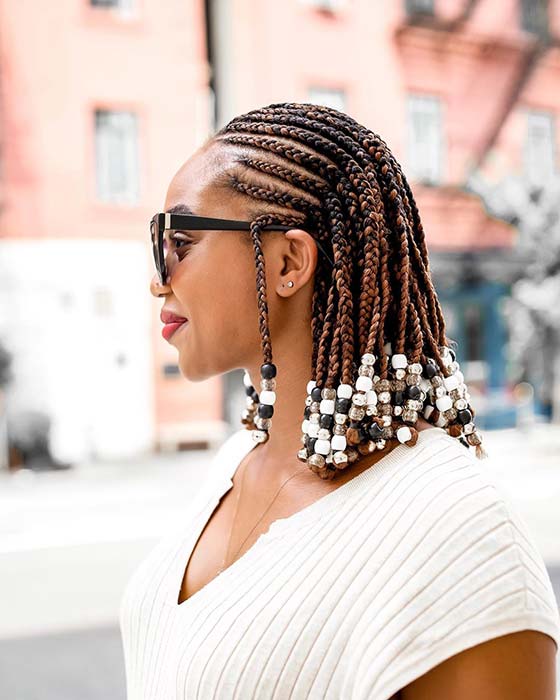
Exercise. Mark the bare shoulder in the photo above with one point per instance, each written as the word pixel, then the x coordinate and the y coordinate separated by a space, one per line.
pixel 516 666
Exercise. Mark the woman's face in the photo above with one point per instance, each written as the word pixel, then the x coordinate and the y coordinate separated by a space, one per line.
pixel 212 277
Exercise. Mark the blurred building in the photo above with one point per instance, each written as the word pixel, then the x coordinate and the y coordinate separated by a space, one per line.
pixel 101 101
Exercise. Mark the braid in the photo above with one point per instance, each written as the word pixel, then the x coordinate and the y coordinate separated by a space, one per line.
pixel 342 183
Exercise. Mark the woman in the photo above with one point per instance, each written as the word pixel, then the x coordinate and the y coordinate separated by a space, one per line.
pixel 346 543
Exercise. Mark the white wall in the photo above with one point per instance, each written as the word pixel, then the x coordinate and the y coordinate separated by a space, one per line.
pixel 68 310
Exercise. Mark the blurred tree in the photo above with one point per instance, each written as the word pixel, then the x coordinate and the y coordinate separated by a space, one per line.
pixel 533 310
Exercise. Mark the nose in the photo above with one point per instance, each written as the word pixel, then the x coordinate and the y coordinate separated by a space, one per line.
pixel 156 288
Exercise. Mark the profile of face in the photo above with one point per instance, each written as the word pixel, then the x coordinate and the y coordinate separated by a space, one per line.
pixel 212 278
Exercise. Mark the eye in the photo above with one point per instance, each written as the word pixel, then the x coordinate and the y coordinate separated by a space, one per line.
pixel 180 240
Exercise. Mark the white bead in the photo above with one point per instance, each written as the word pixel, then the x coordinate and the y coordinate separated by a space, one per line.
pixel 399 361
pixel 313 430
pixel 460 376
pixel 344 391
pixel 326 406
pixel 313 418
pixel 338 442
pixel 387 348
pixel 404 433
pixel 311 384
pixel 267 397
pixel 323 447
pixel 305 426
pixel 425 384
pixel 371 398
pixel 363 383
pixel 444 402
pixel 324 434
pixel 451 382
pixel 368 359
pixel 247 379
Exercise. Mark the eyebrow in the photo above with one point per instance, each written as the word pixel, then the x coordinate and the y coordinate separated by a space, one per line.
pixel 180 209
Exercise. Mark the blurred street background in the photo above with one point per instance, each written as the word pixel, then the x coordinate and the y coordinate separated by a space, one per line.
pixel 102 440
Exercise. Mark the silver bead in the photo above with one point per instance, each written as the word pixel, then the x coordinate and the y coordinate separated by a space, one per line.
pixel 384 397
pixel 340 418
pixel 317 460
pixel 324 434
pixel 366 371
pixel 314 417
pixel 328 393
pixel 340 458
pixel 356 413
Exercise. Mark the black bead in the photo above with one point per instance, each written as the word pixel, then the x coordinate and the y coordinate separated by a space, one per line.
pixel 326 420
pixel 413 391
pixel 429 370
pixel 316 393
pixel 342 405
pixel 265 410
pixel 398 398
pixel 268 370
pixel 464 416
pixel 375 431
pixel 307 411
pixel 255 395
pixel 249 390
pixel 452 353
pixel 311 445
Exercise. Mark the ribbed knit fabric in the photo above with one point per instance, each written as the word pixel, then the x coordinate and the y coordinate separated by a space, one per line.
pixel 415 559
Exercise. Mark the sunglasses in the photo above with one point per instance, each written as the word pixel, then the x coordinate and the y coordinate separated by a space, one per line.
pixel 162 222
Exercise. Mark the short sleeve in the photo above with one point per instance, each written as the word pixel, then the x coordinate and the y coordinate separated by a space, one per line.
pixel 473 574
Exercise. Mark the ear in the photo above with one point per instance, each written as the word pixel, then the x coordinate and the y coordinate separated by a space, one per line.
pixel 297 263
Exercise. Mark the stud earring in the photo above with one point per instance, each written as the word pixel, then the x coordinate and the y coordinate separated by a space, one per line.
pixel 290 284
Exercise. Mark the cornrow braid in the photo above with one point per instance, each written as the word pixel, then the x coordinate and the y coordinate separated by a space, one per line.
pixel 380 351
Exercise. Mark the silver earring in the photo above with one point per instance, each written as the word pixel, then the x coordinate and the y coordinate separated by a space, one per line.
pixel 290 284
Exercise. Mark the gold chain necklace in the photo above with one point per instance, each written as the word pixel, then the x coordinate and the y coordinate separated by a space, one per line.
pixel 306 468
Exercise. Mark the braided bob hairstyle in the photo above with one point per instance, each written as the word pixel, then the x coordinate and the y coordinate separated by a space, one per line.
pixel 380 352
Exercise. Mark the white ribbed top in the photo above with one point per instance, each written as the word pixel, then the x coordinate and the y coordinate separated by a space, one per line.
pixel 413 560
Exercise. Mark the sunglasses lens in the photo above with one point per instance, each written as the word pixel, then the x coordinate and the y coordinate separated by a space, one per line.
pixel 158 253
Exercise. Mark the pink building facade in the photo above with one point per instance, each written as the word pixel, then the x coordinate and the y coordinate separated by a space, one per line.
pixel 103 100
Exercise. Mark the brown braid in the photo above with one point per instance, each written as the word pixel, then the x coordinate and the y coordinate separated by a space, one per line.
pixel 318 168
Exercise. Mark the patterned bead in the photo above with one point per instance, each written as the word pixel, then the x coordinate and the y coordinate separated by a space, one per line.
pixel 412 380
pixel 409 416
pixel 339 430
pixel 259 436
pixel 324 434
pixel 328 393
pixel 268 384
pixel 366 371
pixel 317 460
pixel 359 399
pixel 340 459
pixel 356 413
pixel 415 368
pixel 368 359
pixel 340 418
pixel 400 374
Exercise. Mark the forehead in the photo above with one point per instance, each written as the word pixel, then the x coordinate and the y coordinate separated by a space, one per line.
pixel 192 183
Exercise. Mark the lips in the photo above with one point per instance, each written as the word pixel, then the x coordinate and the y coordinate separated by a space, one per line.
pixel 172 323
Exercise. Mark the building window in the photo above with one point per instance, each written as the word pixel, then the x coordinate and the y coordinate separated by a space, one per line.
pixel 328 97
pixel 325 5
pixel 540 147
pixel 420 7
pixel 116 4
pixel 116 154
pixel 171 370
pixel 424 139
pixel 534 16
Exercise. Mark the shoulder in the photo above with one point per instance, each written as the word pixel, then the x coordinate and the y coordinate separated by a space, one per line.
pixel 462 566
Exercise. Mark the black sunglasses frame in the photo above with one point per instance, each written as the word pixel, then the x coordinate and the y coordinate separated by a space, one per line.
pixel 163 221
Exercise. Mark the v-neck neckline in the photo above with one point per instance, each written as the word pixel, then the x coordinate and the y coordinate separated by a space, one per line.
pixel 321 505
